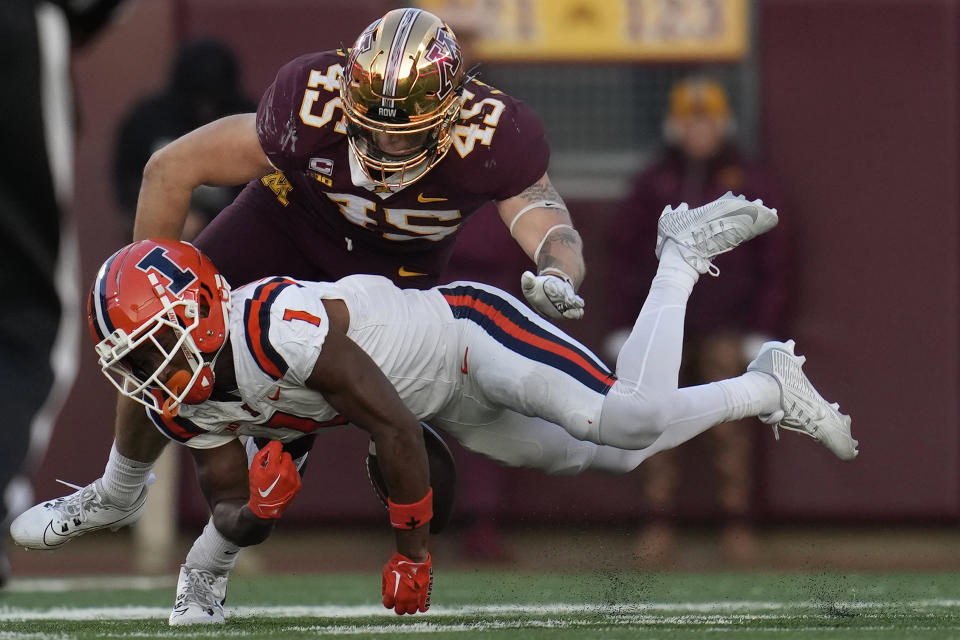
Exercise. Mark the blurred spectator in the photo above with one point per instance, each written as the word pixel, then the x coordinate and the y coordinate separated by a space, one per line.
pixel 726 317
pixel 204 85
pixel 39 323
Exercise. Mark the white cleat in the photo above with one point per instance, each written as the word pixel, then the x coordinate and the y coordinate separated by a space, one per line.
pixel 52 524
pixel 716 227
pixel 200 598
pixel 801 407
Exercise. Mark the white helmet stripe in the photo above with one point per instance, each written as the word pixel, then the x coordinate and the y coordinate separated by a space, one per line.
pixel 395 55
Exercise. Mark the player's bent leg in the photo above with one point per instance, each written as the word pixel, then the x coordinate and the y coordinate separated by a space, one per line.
pixel 637 418
pixel 648 364
pixel 516 440
pixel 645 403
pixel 202 585
pixel 522 363
pixel 522 441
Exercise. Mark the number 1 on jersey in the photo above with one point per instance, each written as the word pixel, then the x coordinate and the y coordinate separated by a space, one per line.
pixel 296 314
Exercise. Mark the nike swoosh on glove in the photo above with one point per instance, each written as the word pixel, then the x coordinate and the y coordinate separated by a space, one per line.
pixel 274 481
pixel 551 296
pixel 407 584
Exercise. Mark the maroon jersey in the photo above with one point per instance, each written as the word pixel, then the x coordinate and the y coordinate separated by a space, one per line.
pixel 353 226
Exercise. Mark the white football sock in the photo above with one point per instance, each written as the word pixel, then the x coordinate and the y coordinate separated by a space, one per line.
pixel 673 266
pixel 213 552
pixel 123 478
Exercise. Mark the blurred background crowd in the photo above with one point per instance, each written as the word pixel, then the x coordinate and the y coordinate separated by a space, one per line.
pixel 843 114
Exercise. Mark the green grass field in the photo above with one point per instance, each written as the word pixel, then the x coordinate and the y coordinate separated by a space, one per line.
pixel 491 604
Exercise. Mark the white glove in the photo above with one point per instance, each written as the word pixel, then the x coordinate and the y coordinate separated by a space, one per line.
pixel 551 296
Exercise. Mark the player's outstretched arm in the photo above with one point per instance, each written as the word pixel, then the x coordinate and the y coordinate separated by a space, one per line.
pixel 356 387
pixel 225 152
pixel 540 223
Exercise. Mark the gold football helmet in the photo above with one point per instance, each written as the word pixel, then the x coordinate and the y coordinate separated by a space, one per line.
pixel 401 94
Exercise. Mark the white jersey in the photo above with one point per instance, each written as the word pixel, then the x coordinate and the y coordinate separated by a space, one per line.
pixel 278 327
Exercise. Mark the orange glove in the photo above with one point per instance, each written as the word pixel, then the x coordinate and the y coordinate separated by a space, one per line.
pixel 274 480
pixel 407 584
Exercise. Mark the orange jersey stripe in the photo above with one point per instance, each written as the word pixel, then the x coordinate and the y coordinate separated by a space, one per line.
pixel 518 332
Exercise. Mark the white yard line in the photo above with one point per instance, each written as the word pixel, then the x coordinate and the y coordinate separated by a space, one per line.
pixel 86 583
pixel 423 628
pixel 638 613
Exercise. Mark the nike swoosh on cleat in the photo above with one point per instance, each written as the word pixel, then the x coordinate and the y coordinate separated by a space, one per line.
pixel 264 494
pixel 749 211
pixel 60 539
pixel 404 273
pixel 422 198
pixel 57 540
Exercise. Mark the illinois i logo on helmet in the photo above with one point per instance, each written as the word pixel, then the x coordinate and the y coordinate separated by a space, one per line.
pixel 178 279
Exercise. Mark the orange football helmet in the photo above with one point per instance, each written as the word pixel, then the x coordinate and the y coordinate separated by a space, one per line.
pixel 159 312
pixel 401 93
